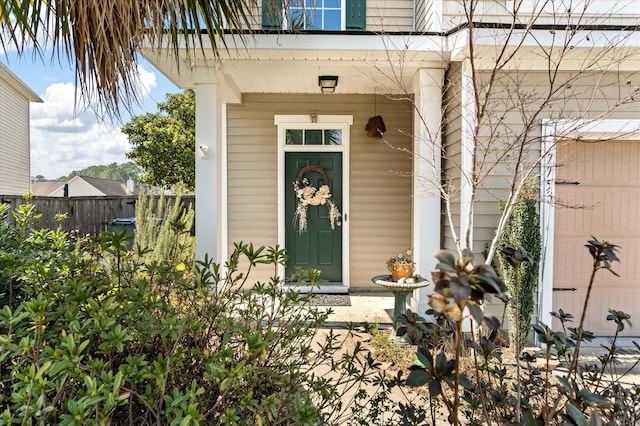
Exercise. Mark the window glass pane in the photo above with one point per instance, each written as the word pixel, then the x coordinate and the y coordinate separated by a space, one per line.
pixel 314 19
pixel 313 137
pixel 315 14
pixel 332 20
pixel 296 19
pixel 293 137
pixel 333 137
pixel 311 10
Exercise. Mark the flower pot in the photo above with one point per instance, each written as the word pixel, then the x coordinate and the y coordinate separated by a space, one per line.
pixel 401 270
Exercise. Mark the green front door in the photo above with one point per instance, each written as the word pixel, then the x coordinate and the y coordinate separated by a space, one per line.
pixel 319 247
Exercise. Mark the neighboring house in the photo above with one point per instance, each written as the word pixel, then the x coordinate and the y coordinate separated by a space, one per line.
pixel 83 186
pixel 261 119
pixel 15 163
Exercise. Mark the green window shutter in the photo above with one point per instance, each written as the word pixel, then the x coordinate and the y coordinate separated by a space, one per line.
pixel 271 14
pixel 356 14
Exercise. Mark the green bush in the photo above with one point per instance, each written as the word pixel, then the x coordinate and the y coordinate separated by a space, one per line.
pixel 28 255
pixel 521 233
pixel 105 335
pixel 485 388
pixel 165 228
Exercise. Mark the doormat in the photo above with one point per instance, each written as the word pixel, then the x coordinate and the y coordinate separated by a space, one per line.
pixel 331 300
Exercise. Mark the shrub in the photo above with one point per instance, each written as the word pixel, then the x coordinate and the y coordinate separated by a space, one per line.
pixel 522 233
pixel 165 228
pixel 105 335
pixel 28 255
pixel 492 390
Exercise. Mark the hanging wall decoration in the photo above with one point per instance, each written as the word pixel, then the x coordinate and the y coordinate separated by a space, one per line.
pixel 375 127
pixel 311 196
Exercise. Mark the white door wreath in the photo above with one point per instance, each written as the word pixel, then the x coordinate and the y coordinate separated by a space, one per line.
pixel 309 195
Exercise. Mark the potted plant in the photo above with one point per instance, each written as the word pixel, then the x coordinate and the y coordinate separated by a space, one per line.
pixel 401 265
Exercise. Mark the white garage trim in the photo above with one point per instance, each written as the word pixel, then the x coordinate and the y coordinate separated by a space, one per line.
pixel 553 131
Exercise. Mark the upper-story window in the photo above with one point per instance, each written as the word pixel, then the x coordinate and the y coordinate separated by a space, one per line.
pixel 327 15
pixel 315 14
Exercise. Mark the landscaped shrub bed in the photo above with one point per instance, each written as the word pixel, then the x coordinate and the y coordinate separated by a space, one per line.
pixel 103 331
pixel 94 333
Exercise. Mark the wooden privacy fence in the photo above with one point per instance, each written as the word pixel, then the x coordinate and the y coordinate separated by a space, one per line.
pixel 89 215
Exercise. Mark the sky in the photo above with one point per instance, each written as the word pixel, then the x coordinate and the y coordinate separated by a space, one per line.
pixel 64 139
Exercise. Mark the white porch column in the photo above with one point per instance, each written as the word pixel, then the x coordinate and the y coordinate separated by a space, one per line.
pixel 211 172
pixel 466 159
pixel 427 89
pixel 547 223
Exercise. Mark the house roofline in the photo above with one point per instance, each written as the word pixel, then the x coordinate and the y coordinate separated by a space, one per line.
pixel 13 80
pixel 452 31
pixel 443 41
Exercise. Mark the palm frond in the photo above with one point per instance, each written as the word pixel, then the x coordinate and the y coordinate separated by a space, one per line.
pixel 100 39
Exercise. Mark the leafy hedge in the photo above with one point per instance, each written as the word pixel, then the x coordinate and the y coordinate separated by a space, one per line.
pixel 94 333
pixel 522 233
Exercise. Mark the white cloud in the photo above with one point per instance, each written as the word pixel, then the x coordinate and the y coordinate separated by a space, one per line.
pixel 146 80
pixel 58 112
pixel 57 154
pixel 65 138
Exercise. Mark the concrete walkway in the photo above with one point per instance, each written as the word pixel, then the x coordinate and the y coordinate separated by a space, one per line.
pixel 377 308
pixel 370 307
pixel 627 361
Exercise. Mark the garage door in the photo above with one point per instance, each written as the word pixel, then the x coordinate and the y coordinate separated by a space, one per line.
pixel 598 193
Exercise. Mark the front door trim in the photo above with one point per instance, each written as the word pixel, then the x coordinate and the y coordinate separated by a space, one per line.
pixel 313 121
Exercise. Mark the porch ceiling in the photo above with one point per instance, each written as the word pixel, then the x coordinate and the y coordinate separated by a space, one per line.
pixel 292 63
pixel 301 75
pixel 377 63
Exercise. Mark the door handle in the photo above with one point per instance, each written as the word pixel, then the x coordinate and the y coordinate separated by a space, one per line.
pixel 345 217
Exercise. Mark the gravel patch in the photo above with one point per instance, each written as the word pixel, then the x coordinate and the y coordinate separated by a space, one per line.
pixel 331 300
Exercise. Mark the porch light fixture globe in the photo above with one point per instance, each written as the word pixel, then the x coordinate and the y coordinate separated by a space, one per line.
pixel 328 83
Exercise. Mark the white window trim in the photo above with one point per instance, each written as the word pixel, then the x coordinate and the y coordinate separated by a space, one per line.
pixel 343 122
pixel 343 17
pixel 552 131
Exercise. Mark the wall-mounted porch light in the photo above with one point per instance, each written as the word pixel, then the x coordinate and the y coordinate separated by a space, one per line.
pixel 327 83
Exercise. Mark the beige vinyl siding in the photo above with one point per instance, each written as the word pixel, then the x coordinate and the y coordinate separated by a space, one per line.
pixel 593 95
pixel 252 176
pixel 577 101
pixel 380 195
pixel 451 143
pixel 590 96
pixel 598 12
pixel 14 141
pixel 390 15
pixel 380 199
pixel 490 11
